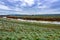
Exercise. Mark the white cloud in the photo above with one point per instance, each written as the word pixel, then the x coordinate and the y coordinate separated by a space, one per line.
pixel 13 0
pixel 45 4
pixel 4 7
pixel 29 2
pixel 2 2
pixel 40 4
pixel 23 5
pixel 24 2
pixel 51 1
pixel 42 7
pixel 17 9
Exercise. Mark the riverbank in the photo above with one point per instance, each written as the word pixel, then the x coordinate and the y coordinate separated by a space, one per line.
pixel 50 22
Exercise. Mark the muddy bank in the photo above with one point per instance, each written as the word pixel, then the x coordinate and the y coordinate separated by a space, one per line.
pixel 38 19
pixel 46 22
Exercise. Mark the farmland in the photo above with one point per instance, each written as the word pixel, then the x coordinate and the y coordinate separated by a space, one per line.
pixel 18 30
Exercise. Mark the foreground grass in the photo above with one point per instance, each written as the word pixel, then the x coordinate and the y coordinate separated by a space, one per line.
pixel 17 30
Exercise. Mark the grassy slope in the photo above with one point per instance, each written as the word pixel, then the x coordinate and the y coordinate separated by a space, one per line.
pixel 17 30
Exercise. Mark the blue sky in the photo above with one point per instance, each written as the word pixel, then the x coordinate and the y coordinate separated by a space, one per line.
pixel 30 6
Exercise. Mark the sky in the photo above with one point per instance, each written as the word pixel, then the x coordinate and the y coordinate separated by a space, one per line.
pixel 29 7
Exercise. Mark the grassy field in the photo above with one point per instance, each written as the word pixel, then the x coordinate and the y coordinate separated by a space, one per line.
pixel 39 16
pixel 18 30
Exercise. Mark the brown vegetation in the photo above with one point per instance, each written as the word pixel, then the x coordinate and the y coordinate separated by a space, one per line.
pixel 38 19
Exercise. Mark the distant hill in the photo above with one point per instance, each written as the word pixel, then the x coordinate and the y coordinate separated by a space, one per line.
pixel 35 15
pixel 31 15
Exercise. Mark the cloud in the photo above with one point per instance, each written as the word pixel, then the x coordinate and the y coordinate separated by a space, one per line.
pixel 51 1
pixel 18 9
pixel 42 7
pixel 25 3
pixel 55 5
pixel 30 5
pixel 4 7
pixel 28 2
pixel 46 3
pixel 13 0
pixel 1 2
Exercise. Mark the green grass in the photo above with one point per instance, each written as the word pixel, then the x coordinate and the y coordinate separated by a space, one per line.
pixel 38 16
pixel 18 30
